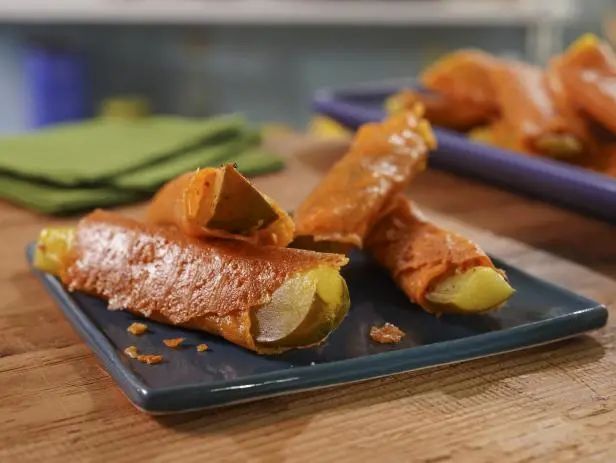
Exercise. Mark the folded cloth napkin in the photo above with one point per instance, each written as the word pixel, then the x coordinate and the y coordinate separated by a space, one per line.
pixel 151 177
pixel 41 177
pixel 93 151
pixel 53 199
pixel 256 161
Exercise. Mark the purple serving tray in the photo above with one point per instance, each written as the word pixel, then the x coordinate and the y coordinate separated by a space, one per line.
pixel 557 182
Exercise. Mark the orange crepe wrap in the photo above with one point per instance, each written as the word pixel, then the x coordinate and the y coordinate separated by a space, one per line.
pixel 497 133
pixel 587 71
pixel 465 77
pixel 528 110
pixel 382 160
pixel 179 202
pixel 159 273
pixel 417 253
pixel 603 159
pixel 453 113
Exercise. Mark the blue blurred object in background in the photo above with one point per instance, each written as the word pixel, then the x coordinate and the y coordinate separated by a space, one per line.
pixel 57 85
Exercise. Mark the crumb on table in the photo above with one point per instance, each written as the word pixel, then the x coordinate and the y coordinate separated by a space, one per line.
pixel 150 359
pixel 131 351
pixel 174 343
pixel 202 347
pixel 137 328
pixel 386 334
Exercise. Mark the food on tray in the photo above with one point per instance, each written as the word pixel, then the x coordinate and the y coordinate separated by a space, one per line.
pixel 173 343
pixel 605 159
pixel 328 128
pixel 264 298
pixel 137 328
pixel 465 76
pixel 587 71
pixel 437 269
pixel 132 352
pixel 457 91
pixel 386 334
pixel 51 247
pixel 552 112
pixel 456 114
pixel 220 202
pixel 212 254
pixel 530 116
pixel 150 359
pixel 359 203
pixel 304 309
pixel 381 161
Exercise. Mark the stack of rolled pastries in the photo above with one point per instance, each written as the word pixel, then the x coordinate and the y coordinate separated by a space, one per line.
pixel 215 254
pixel 565 111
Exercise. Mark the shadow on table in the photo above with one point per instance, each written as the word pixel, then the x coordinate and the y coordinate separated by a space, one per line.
pixel 292 413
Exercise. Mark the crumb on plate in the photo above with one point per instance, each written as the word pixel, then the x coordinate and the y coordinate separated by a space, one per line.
pixel 150 359
pixel 386 334
pixel 137 328
pixel 174 343
pixel 202 347
pixel 131 351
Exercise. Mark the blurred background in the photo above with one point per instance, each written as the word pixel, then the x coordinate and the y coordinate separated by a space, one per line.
pixel 60 60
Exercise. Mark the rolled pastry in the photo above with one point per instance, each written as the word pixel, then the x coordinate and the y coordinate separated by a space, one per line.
pixel 465 77
pixel 264 298
pixel 529 113
pixel 439 270
pixel 220 202
pixel 381 161
pixel 442 110
pixel 587 73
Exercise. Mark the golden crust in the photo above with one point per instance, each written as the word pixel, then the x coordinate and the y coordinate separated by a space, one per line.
pixel 587 72
pixel 176 204
pixel 417 253
pixel 465 76
pixel 529 109
pixel 173 343
pixel 137 328
pixel 382 160
pixel 150 359
pixel 166 276
pixel 443 110
pixel 386 334
pixel 131 351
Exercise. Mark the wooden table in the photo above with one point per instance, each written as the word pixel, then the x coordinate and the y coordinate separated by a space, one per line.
pixel 550 403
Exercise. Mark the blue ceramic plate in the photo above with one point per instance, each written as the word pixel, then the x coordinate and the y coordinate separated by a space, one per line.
pixel 538 313
pixel 555 181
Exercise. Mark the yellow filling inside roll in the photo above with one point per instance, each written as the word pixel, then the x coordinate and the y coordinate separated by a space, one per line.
pixel 475 290
pixel 303 310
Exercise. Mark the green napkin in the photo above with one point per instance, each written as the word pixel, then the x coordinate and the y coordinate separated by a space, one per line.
pixel 93 151
pixel 150 178
pixel 52 199
pixel 100 163
pixel 256 161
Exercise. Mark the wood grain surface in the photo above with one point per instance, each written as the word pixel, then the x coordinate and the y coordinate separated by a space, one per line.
pixel 546 404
